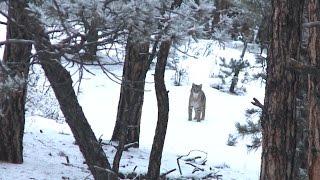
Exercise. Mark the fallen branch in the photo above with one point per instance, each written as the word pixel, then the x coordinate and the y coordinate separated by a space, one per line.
pixel 108 171
pixel 127 146
pixel 190 159
pixel 108 144
pixel 213 175
pixel 166 173
pixel 83 169
pixel 67 159
pixel 196 168
pixel 193 159
pixel 179 164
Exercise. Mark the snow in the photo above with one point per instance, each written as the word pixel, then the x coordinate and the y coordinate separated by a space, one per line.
pixel 47 142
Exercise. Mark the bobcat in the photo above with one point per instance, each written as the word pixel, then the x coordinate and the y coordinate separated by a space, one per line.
pixel 197 101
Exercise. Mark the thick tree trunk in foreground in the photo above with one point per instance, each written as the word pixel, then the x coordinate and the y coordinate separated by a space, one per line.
pixel 12 99
pixel 279 123
pixel 313 93
pixel 135 68
pixel 61 83
pixel 163 112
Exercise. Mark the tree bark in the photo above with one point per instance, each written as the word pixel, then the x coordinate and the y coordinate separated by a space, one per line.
pixel 127 128
pixel 163 112
pixel 135 68
pixel 12 99
pixel 279 123
pixel 61 83
pixel 313 94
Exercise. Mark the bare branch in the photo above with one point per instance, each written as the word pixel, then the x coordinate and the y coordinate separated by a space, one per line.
pixel 178 159
pixel 257 103
pixel 4 14
pixel 166 173
pixel 303 68
pixel 178 162
pixel 184 52
pixel 10 41
pixel 311 24
pixel 60 14
pixel 127 146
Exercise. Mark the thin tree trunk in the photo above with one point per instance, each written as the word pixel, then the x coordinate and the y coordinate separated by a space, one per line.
pixel 313 94
pixel 135 68
pixel 163 112
pixel 279 123
pixel 12 99
pixel 235 77
pixel 92 38
pixel 61 83
pixel 127 128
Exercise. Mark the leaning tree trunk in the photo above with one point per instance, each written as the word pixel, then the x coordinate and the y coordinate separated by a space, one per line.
pixel 61 83
pixel 163 112
pixel 313 93
pixel 279 123
pixel 12 99
pixel 135 68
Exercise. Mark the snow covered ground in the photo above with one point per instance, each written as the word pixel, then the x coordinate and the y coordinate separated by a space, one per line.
pixel 48 144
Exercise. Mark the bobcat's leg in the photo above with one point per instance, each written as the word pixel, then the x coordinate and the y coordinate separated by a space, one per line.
pixel 198 112
pixel 190 113
pixel 203 113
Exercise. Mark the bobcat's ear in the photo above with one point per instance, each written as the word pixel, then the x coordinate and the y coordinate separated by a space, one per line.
pixel 193 84
pixel 200 86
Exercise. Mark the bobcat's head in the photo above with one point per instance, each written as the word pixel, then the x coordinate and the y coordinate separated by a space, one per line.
pixel 196 88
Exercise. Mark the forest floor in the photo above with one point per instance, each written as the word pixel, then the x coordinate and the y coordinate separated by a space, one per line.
pixel 50 151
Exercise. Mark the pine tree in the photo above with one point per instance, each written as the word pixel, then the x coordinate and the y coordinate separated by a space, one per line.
pixel 279 123
pixel 13 77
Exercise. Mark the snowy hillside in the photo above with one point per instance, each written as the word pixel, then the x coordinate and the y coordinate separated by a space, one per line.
pixel 50 152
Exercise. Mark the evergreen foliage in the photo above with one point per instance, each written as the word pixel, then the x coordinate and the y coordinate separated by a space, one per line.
pixel 251 129
pixel 227 72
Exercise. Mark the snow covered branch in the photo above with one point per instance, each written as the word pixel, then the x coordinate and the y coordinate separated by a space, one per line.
pixel 10 41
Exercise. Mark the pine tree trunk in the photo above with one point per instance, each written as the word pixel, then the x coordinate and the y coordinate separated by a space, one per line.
pixel 234 80
pixel 163 112
pixel 61 83
pixel 279 123
pixel 135 68
pixel 12 100
pixel 127 128
pixel 313 94
pixel 235 77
